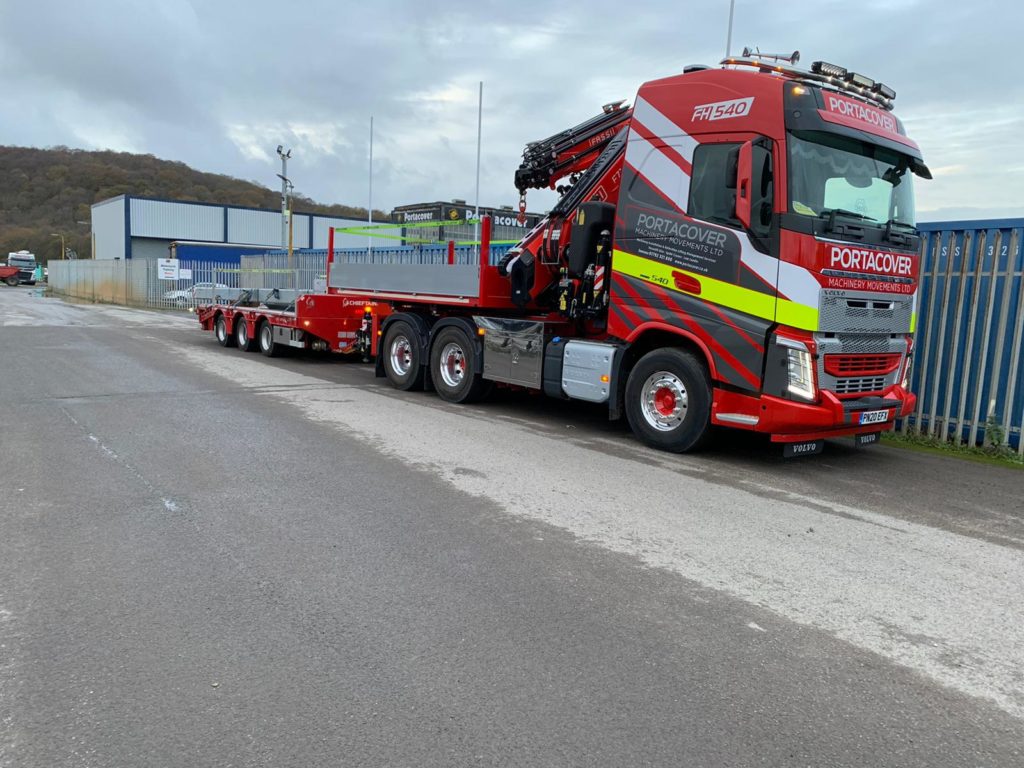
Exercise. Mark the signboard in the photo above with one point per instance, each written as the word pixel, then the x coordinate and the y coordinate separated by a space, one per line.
pixel 184 274
pixel 167 269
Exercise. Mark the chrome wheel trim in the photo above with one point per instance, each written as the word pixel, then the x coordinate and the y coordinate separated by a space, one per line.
pixel 401 355
pixel 452 364
pixel 664 401
pixel 265 336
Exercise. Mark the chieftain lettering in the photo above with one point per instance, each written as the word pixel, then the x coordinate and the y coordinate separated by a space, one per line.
pixel 864 260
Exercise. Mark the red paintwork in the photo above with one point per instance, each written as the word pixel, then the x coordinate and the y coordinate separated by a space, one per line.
pixel 682 104
pixel 6 272
pixel 789 421
pixel 333 318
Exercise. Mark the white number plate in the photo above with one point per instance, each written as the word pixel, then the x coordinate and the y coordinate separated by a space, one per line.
pixel 874 417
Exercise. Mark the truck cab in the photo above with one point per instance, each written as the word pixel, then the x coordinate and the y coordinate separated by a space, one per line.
pixel 767 215
pixel 26 264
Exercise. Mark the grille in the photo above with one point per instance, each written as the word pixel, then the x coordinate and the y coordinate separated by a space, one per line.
pixel 861 365
pixel 860 385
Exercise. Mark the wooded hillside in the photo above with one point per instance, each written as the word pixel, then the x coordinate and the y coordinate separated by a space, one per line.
pixel 47 191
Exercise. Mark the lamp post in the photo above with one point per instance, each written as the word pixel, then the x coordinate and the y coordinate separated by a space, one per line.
pixel 63 250
pixel 283 175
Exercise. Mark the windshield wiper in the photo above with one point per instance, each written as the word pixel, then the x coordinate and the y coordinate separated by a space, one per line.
pixel 850 230
pixel 896 237
pixel 832 212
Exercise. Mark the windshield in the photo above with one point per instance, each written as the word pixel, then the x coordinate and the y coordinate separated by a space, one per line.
pixel 829 172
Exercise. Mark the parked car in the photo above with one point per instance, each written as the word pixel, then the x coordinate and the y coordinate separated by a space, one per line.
pixel 201 293
pixel 179 298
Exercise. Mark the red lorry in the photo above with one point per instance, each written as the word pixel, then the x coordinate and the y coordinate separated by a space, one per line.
pixel 736 249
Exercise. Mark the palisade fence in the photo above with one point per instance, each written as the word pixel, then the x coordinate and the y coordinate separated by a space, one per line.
pixel 967 368
pixel 138 282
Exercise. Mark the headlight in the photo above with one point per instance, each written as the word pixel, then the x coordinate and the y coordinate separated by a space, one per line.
pixel 799 368
pixel 801 374
pixel 906 373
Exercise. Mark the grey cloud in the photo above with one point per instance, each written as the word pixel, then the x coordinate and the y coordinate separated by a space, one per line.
pixel 219 84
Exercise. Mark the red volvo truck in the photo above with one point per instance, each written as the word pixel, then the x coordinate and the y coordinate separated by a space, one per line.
pixel 736 249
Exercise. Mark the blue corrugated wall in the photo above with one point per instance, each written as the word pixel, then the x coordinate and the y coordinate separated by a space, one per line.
pixel 968 357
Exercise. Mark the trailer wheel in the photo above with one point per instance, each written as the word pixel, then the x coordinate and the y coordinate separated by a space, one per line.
pixel 220 330
pixel 668 400
pixel 268 346
pixel 402 352
pixel 245 342
pixel 12 281
pixel 453 368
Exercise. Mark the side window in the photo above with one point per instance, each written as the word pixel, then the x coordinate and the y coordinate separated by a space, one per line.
pixel 712 191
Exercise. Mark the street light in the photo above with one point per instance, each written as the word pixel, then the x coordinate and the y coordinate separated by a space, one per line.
pixel 283 175
pixel 62 249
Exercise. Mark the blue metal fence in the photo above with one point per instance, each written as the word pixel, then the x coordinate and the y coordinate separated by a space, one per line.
pixel 968 361
pixel 404 254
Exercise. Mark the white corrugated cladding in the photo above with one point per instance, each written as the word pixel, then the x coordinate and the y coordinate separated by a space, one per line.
pixel 264 228
pixel 176 221
pixel 108 237
pixel 321 225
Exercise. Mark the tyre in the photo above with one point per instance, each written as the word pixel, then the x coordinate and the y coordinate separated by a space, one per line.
pixel 242 338
pixel 668 400
pixel 11 281
pixel 220 330
pixel 402 357
pixel 268 346
pixel 453 367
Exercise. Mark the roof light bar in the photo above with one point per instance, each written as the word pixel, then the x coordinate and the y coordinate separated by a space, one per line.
pixel 859 80
pixel 830 75
pixel 828 70
pixel 884 91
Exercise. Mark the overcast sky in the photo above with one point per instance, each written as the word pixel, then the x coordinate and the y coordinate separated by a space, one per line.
pixel 218 85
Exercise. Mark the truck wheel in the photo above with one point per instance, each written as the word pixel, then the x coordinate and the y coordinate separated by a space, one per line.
pixel 242 338
pixel 220 330
pixel 453 368
pixel 268 346
pixel 668 400
pixel 12 281
pixel 402 363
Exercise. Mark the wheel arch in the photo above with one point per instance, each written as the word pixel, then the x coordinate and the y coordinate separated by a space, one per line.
pixel 646 338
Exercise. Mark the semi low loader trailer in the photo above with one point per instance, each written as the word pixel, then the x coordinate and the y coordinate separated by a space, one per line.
pixel 737 249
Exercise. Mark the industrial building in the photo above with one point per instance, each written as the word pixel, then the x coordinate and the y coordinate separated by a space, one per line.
pixel 504 221
pixel 129 227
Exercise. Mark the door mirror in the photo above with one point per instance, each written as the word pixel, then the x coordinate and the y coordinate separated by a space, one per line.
pixel 744 174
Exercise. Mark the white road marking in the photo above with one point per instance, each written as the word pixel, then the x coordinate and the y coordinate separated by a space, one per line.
pixel 946 605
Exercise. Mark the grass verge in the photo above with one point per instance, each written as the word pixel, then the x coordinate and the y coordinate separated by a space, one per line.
pixel 1002 456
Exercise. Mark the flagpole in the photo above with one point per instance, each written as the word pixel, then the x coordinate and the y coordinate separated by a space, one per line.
pixel 369 206
pixel 479 136
pixel 728 39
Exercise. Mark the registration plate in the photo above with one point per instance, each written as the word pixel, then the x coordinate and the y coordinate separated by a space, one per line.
pixel 874 417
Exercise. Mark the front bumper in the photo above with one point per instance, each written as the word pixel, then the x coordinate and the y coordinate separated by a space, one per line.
pixel 790 421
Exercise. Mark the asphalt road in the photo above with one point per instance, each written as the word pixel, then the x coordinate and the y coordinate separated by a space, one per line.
pixel 208 558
